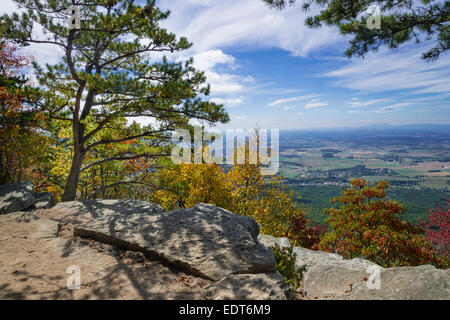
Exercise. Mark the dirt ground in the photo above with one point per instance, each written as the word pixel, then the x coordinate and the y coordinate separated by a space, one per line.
pixel 35 257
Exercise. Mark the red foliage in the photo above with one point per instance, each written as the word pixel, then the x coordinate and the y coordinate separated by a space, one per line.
pixel 307 235
pixel 367 224
pixel 438 228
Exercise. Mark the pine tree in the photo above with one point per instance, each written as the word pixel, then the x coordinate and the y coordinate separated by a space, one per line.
pixel 109 70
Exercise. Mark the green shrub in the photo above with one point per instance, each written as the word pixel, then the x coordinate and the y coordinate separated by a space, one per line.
pixel 285 263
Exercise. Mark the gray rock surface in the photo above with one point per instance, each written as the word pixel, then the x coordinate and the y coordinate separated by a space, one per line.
pixel 27 185
pixel 205 240
pixel 329 274
pixel 16 197
pixel 405 283
pixel 262 286
pixel 23 216
pixel 46 228
pixel 269 241
pixel 97 208
pixel 44 200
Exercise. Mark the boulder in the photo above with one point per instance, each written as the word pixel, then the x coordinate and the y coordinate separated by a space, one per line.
pixel 262 286
pixel 204 240
pixel 269 241
pixel 27 185
pixel 16 197
pixel 44 200
pixel 329 274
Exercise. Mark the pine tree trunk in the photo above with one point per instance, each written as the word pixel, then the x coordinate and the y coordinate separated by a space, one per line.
pixel 70 190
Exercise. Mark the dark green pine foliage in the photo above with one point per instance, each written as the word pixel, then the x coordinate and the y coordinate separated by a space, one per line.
pixel 401 21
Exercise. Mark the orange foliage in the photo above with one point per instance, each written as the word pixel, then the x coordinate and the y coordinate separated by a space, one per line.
pixel 367 225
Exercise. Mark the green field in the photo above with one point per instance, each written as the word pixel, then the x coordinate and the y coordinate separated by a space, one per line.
pixel 317 198
pixel 319 165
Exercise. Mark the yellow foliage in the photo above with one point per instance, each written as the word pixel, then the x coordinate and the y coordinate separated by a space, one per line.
pixel 188 184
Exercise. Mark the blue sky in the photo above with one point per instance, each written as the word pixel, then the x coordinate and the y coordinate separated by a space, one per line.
pixel 271 71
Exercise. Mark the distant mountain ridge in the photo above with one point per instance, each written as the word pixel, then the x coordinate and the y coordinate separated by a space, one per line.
pixel 382 127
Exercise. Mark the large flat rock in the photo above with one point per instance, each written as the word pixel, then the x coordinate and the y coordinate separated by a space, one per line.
pixel 100 207
pixel 205 240
pixel 77 212
pixel 34 264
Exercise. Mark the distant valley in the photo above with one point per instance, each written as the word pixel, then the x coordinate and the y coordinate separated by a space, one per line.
pixel 318 164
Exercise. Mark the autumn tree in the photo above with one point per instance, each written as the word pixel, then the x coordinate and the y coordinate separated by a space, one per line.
pixel 366 224
pixel 241 189
pixel 100 178
pixel 184 185
pixel 400 21
pixel 22 144
pixel 110 69
pixel 437 228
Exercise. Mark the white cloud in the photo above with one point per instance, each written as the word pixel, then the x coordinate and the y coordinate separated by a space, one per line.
pixel 249 79
pixel 432 98
pixel 393 107
pixel 145 121
pixel 250 23
pixel 315 104
pixel 42 53
pixel 221 82
pixel 207 60
pixel 287 100
pixel 240 117
pixel 402 69
pixel 230 102
pixel 356 103
pixel 224 83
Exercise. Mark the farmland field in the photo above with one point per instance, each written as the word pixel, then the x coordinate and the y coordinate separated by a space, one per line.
pixel 318 165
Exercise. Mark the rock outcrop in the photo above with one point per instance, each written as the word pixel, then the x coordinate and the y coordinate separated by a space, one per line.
pixel 330 276
pixel 35 264
pixel 20 196
pixel 405 283
pixel 130 249
pixel 205 240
